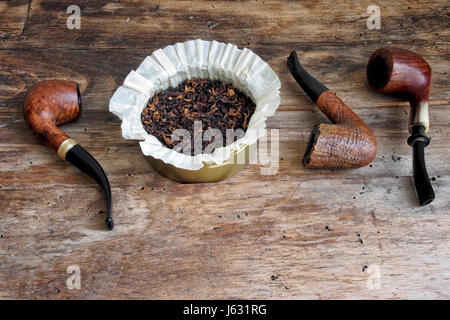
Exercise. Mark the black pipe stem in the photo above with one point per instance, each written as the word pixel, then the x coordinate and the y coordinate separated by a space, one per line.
pixel 81 159
pixel 313 87
pixel 418 141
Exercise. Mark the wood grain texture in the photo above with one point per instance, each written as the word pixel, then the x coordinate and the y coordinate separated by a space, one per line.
pixel 297 234
pixel 14 18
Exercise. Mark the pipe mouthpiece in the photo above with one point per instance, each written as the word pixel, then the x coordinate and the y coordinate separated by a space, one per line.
pixel 312 87
pixel 418 141
pixel 83 160
pixel 109 223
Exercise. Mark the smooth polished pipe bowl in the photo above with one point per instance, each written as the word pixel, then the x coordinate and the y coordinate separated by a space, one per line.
pixel 406 74
pixel 49 104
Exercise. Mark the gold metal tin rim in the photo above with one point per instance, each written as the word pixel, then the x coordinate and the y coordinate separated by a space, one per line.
pixel 208 173
pixel 65 146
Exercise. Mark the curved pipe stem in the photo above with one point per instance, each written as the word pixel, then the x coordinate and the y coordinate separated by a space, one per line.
pixel 406 74
pixel 82 159
pixel 55 102
pixel 418 141
pixel 312 87
pixel 349 142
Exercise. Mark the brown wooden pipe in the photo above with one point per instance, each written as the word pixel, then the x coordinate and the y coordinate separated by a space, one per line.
pixel 348 142
pixel 406 74
pixel 49 104
pixel 55 102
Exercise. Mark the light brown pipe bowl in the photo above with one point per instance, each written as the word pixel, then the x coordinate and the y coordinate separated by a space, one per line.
pixel 49 104
pixel 347 143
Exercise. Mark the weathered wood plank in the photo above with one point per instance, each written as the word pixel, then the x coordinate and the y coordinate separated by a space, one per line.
pixel 14 18
pixel 140 24
pixel 297 234
pixel 424 28
pixel 101 134
pixel 229 248
pixel 100 72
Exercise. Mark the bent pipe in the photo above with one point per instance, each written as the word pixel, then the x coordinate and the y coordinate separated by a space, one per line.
pixel 348 142
pixel 406 74
pixel 56 102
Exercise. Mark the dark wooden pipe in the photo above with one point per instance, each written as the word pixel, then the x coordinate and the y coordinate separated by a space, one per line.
pixel 56 102
pixel 348 142
pixel 406 74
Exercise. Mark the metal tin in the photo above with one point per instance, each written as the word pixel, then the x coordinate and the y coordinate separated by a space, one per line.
pixel 205 60
pixel 209 172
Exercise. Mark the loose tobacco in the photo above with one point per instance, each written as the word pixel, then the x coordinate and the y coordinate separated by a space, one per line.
pixel 218 105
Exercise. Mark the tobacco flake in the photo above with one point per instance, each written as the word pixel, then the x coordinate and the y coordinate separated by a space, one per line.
pixel 216 104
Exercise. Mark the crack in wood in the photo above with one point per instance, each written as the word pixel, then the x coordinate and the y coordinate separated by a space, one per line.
pixel 26 18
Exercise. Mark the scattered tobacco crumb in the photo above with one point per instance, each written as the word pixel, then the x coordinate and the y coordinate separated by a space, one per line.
pixel 218 105
pixel 212 24
pixel 359 238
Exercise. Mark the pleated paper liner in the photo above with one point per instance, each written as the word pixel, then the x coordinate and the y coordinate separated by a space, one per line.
pixel 171 66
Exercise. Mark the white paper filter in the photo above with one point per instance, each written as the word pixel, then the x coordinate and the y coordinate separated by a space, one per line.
pixel 174 64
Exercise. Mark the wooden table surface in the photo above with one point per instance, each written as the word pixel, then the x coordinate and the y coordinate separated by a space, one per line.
pixel 297 234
